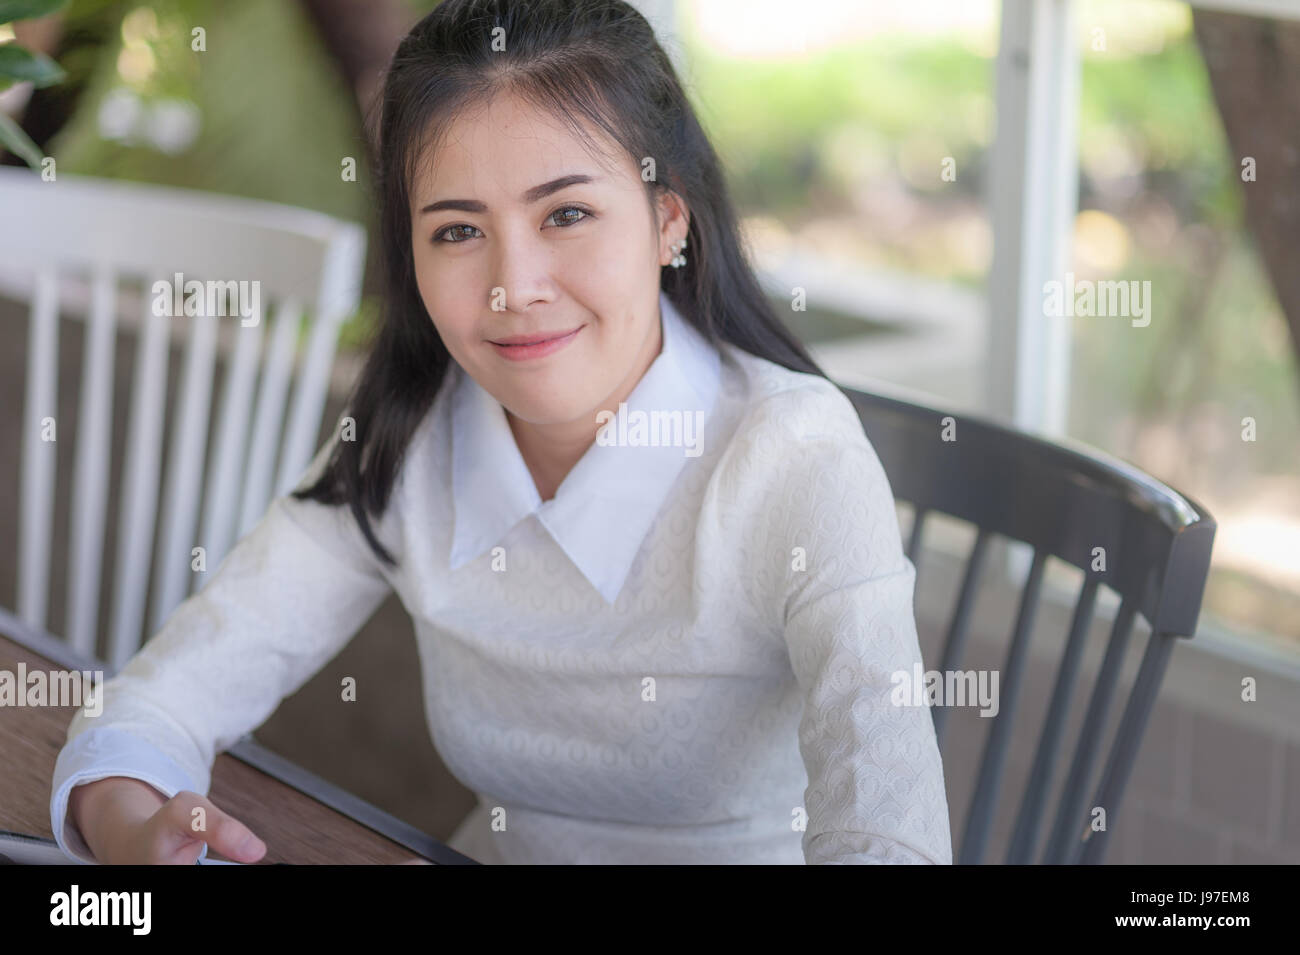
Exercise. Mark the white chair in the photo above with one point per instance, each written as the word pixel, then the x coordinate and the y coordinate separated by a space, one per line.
pixel 78 245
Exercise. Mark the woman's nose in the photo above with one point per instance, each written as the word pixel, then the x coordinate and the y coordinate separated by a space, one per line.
pixel 521 269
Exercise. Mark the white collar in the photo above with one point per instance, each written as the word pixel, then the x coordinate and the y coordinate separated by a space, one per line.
pixel 605 506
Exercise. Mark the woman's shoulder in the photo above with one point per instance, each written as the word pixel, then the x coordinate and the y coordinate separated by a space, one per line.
pixel 800 472
pixel 798 440
pixel 780 404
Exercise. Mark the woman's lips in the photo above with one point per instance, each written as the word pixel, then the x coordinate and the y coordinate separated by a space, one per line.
pixel 540 349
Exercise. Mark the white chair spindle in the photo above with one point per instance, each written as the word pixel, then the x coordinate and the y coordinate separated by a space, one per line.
pixel 94 456
pixel 299 443
pixel 225 470
pixel 276 370
pixel 173 576
pixel 140 479
pixel 40 456
pixel 337 295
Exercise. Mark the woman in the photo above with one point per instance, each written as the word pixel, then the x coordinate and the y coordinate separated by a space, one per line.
pixel 652 559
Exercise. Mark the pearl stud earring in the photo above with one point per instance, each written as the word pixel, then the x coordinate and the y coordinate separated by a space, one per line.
pixel 679 258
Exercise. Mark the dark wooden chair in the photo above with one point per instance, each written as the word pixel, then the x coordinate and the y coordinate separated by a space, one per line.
pixel 1062 499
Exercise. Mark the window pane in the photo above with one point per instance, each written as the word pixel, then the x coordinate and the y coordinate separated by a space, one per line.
pixel 855 136
pixel 1196 382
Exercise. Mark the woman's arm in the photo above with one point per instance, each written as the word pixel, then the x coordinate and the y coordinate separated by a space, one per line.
pixel 286 599
pixel 875 776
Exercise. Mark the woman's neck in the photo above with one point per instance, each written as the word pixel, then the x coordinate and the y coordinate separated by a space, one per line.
pixel 550 451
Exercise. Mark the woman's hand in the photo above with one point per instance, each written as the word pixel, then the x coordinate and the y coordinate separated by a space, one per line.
pixel 127 822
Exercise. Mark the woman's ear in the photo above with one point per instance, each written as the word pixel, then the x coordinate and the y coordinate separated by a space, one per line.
pixel 674 222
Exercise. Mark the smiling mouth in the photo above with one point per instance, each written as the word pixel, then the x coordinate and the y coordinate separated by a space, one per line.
pixel 532 339
pixel 519 348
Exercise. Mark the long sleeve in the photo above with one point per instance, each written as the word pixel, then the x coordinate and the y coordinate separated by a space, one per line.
pixel 875 790
pixel 875 777
pixel 283 602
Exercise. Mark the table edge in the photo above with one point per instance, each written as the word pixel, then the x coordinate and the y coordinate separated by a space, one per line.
pixel 254 754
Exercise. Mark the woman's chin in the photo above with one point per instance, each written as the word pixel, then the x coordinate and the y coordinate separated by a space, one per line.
pixel 543 407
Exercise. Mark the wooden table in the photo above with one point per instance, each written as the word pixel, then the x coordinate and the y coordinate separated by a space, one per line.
pixel 302 818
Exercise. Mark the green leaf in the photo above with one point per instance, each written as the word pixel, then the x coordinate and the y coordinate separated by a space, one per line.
pixel 25 65
pixel 11 10
pixel 17 142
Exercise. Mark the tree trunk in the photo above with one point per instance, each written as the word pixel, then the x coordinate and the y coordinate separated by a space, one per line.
pixel 1254 69
pixel 361 37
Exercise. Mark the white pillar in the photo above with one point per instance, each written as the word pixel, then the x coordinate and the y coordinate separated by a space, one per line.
pixel 1033 200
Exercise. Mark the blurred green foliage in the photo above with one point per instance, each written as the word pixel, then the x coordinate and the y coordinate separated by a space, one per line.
pixel 276 118
pixel 778 123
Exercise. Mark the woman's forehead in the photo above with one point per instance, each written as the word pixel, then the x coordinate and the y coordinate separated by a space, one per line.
pixel 510 145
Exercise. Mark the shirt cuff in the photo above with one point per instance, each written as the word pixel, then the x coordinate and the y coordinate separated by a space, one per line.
pixel 95 754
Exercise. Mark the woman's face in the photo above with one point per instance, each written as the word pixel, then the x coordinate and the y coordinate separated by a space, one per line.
pixel 515 245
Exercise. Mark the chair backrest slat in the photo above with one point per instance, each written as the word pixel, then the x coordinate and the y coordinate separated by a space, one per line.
pixel 1028 819
pixel 90 487
pixel 914 538
pixel 40 456
pixel 1110 791
pixel 335 299
pixel 142 473
pixel 227 463
pixel 271 400
pixel 954 645
pixel 185 471
pixel 1071 818
pixel 979 817
pixel 308 403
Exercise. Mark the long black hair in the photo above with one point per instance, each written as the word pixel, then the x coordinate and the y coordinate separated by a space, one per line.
pixel 596 60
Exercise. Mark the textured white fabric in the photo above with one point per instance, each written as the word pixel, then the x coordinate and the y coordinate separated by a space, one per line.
pixel 677 659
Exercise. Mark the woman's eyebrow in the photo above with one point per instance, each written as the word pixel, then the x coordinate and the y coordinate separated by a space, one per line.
pixel 534 194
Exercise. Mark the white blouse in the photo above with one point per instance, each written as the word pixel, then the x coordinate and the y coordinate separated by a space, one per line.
pixel 684 657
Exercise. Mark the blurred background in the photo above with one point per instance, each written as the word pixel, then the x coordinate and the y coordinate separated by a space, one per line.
pixel 885 161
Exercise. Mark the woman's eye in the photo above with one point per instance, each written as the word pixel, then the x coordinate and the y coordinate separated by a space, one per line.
pixel 581 214
pixel 438 237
